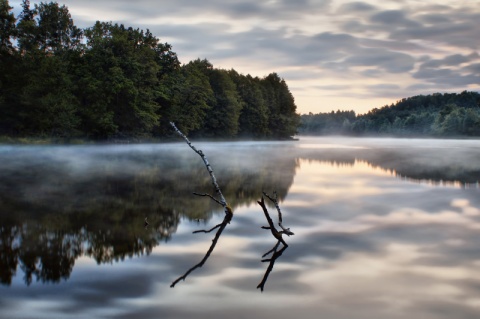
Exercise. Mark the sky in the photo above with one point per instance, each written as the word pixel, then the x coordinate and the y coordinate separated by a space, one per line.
pixel 333 54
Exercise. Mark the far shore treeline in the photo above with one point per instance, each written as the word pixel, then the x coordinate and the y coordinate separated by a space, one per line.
pixel 442 115
pixel 111 81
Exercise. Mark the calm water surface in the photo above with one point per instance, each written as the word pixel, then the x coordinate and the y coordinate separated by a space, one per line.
pixel 384 228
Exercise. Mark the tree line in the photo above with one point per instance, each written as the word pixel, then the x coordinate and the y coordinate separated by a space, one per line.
pixel 112 81
pixel 448 114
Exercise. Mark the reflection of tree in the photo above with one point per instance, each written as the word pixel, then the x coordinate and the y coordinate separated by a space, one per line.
pixel 8 252
pixel 51 214
pixel 48 252
pixel 435 165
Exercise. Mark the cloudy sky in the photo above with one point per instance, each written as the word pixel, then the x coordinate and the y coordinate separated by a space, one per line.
pixel 334 54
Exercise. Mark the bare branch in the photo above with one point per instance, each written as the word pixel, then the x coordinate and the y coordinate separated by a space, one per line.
pixel 207 165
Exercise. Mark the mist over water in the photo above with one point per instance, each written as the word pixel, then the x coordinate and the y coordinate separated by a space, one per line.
pixel 384 228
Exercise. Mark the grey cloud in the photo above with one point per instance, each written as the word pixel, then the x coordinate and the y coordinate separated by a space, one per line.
pixel 445 34
pixel 355 7
pixel 433 18
pixel 451 60
pixel 447 78
pixel 473 68
pixel 393 18
pixel 390 61
pixel 457 68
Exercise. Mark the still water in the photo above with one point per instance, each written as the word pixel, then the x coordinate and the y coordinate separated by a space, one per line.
pixel 384 228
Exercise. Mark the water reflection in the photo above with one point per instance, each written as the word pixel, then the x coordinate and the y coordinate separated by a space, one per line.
pixel 367 243
pixel 61 203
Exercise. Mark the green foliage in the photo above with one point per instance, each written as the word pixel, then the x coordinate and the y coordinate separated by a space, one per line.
pixel 283 120
pixel 222 117
pixel 7 27
pixel 253 119
pixel 111 81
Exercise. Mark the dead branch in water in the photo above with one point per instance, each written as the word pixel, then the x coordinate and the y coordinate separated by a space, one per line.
pixel 228 211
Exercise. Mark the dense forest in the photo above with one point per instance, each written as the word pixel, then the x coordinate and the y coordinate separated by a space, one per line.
pixel 110 81
pixel 448 114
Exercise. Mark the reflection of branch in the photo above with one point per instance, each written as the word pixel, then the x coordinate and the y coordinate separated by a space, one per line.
pixel 208 195
pixel 277 234
pixel 222 201
pixel 272 260
pixel 222 226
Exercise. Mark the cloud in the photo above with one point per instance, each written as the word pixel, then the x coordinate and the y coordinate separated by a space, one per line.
pixel 355 7
pixel 393 18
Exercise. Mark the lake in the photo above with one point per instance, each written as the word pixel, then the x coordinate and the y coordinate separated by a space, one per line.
pixel 383 228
